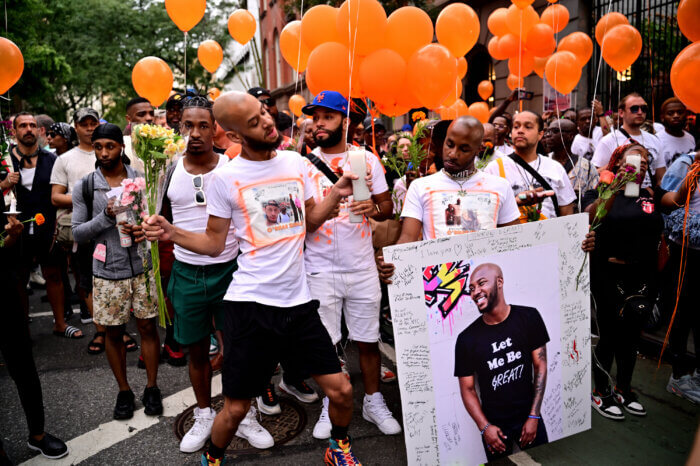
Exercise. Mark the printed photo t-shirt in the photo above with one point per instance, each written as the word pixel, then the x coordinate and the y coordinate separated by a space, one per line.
pixel 501 357
pixel 265 202
pixel 445 208
pixel 338 245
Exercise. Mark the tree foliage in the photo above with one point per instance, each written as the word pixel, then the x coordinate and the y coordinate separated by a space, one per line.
pixel 78 52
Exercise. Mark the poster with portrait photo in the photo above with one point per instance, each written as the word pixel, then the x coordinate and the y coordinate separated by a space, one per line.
pixel 494 319
pixel 275 210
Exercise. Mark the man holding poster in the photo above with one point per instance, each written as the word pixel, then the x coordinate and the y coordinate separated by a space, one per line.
pixel 503 347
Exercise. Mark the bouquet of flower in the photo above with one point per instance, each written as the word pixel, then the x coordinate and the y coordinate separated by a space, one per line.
pixel 609 185
pixel 38 219
pixel 394 161
pixel 158 148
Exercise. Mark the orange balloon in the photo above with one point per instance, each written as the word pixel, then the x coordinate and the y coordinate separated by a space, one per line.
pixel 379 74
pixel 152 79
pixel 328 69
pixel 457 28
pixel 497 22
pixel 485 89
pixel 606 23
pixel 361 24
pixel 12 64
pixel 520 21
pixel 462 67
pixel 509 45
pixel 513 82
pixel 495 50
pixel 684 72
pixel 407 30
pixel 540 40
pixel 407 97
pixel 689 19
pixel 454 111
pixel 296 102
pixel 356 89
pixel 621 46
pixel 480 111
pixel 523 3
pixel 556 16
pixel 294 52
pixel 186 13
pixel 318 26
pixel 521 65
pixel 579 44
pixel 392 110
pixel 432 71
pixel 210 55
pixel 540 62
pixel 241 26
pixel 455 93
pixel 563 72
pixel 214 93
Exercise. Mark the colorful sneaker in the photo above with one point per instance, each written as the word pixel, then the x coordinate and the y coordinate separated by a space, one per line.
pixel 173 355
pixel 343 368
pixel 209 461
pixel 374 410
pixel 630 401
pixel 213 346
pixel 606 406
pixel 684 388
pixel 199 433
pixel 387 375
pixel 339 453
pixel 301 391
pixel 268 403
pixel 251 430
pixel 322 429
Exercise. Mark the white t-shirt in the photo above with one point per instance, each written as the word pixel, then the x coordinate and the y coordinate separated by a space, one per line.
pixel 583 147
pixel 597 135
pixel 70 168
pixel 399 195
pixel 445 208
pixel 615 138
pixel 551 170
pixel 192 217
pixel 136 162
pixel 271 264
pixel 505 149
pixel 27 175
pixel 673 146
pixel 338 245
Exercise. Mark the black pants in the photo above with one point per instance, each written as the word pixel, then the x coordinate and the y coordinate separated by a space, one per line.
pixel 512 431
pixel 687 315
pixel 16 348
pixel 619 335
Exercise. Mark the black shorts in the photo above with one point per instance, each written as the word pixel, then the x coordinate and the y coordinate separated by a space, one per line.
pixel 83 263
pixel 41 248
pixel 257 337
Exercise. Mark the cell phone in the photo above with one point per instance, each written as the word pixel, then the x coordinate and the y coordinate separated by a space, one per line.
pixel 525 95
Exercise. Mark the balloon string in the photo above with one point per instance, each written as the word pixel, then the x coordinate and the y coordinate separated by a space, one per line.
pixel 296 74
pixel 520 60
pixel 185 63
pixel 352 39
pixel 597 76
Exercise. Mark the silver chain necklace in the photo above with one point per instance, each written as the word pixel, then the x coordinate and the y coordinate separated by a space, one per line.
pixel 461 179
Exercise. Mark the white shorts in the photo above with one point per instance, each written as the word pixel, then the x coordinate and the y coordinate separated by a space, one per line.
pixel 358 294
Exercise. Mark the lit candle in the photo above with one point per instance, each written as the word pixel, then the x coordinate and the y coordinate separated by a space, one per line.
pixel 632 188
pixel 360 191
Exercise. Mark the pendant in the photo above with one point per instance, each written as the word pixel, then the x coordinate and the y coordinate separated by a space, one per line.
pixel 461 193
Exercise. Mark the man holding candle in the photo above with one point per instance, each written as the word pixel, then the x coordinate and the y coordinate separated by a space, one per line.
pixel 339 256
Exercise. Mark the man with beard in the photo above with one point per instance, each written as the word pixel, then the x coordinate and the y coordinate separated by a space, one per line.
pixel 119 286
pixel 138 111
pixel 261 327
pixel 30 177
pixel 173 111
pixel 342 252
pixel 674 139
pixel 535 179
pixel 198 283
pixel 505 348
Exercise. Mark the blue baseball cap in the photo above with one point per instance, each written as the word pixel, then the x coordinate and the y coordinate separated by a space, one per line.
pixel 327 99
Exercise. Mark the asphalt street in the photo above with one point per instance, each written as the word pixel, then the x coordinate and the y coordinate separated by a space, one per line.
pixel 79 394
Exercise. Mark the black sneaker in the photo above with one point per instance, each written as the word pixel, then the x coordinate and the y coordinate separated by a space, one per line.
pixel 268 402
pixel 630 402
pixel 301 391
pixel 152 401
pixel 49 446
pixel 606 406
pixel 85 316
pixel 124 409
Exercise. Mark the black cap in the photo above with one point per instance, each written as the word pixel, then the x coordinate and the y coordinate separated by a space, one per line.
pixel 258 91
pixel 85 112
pixel 367 123
pixel 175 100
pixel 358 110
pixel 108 131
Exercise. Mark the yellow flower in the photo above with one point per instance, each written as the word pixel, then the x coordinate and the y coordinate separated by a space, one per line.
pixel 181 145
pixel 169 141
pixel 143 132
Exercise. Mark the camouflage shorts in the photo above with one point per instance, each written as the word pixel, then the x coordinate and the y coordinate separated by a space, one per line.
pixel 113 299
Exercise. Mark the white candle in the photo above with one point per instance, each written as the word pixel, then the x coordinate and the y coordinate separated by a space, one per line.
pixel 124 239
pixel 360 191
pixel 632 188
pixel 13 205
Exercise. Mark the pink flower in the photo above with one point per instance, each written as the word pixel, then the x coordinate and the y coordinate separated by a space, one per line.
pixel 126 198
pixel 126 181
pixel 140 183
pixel 144 215
pixel 131 188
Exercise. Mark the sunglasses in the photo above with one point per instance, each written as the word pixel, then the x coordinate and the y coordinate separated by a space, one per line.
pixel 51 134
pixel 270 102
pixel 637 108
pixel 199 197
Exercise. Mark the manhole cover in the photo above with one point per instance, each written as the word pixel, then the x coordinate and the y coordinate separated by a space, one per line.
pixel 283 427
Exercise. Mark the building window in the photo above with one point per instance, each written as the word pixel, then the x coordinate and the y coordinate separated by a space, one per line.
pixel 278 60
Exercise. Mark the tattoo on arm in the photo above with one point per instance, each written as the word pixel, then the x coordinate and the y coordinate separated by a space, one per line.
pixel 540 379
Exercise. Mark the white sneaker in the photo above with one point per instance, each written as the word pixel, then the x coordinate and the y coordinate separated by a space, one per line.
pixel 197 436
pixel 322 429
pixel 684 387
pixel 386 374
pixel 303 392
pixel 374 410
pixel 37 278
pixel 251 430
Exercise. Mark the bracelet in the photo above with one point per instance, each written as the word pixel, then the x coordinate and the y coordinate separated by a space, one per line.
pixel 485 427
pixel 535 417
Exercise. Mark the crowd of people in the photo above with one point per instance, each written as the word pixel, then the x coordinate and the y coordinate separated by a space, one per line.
pixel 259 203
